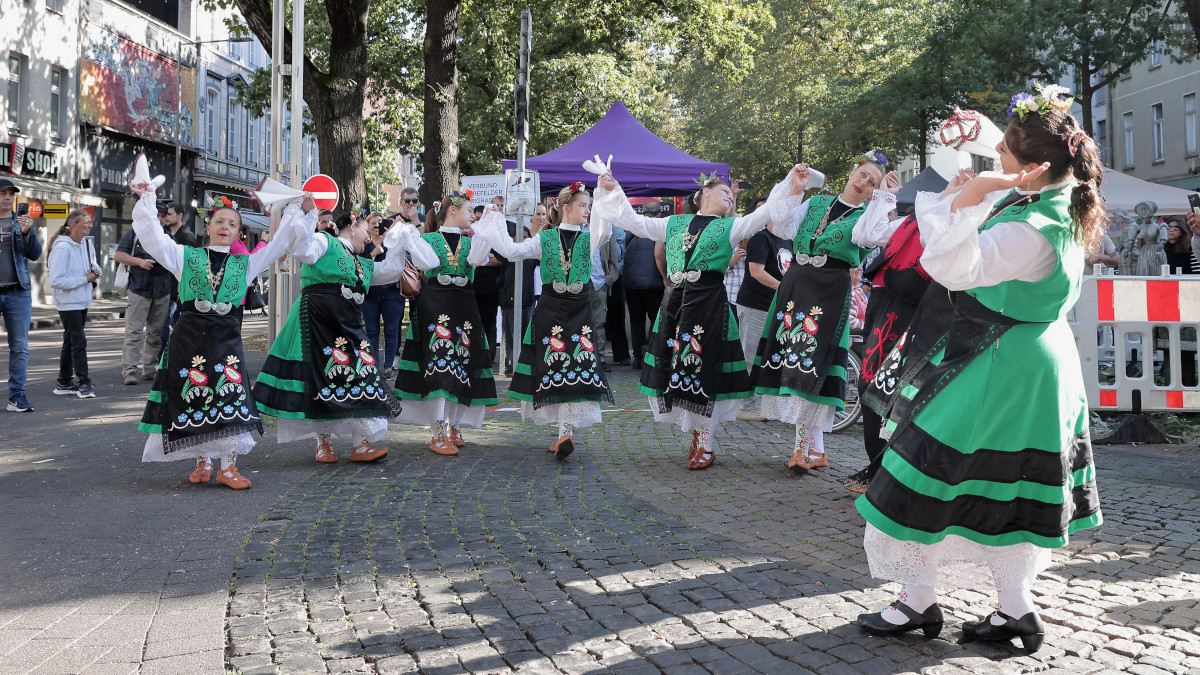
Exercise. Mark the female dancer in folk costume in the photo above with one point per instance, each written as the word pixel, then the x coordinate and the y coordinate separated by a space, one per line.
pixel 800 368
pixel 558 378
pixel 321 378
pixel 993 465
pixel 445 377
pixel 694 371
pixel 201 405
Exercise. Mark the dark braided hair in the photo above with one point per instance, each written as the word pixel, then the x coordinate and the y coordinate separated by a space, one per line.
pixel 1051 137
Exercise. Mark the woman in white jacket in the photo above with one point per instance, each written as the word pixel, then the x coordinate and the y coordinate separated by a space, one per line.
pixel 73 270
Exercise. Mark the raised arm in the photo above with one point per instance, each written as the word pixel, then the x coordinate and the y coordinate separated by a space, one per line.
pixel 959 256
pixel 294 225
pixel 481 249
pixel 492 226
pixel 609 206
pixel 152 236
pixel 783 201
pixel 874 228
pixel 400 239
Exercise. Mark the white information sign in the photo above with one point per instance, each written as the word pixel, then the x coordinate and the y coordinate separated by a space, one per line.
pixel 522 190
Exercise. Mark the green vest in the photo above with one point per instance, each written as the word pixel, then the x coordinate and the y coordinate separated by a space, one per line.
pixel 712 249
pixel 835 240
pixel 1050 298
pixel 581 258
pixel 462 269
pixel 194 284
pixel 338 266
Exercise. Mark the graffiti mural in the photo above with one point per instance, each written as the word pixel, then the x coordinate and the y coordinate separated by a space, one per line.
pixel 129 88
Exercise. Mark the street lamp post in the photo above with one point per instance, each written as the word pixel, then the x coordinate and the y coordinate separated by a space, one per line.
pixel 177 193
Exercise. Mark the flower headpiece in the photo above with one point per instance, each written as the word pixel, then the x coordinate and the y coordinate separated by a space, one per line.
pixel 962 126
pixel 457 198
pixel 704 181
pixel 873 156
pixel 356 212
pixel 1076 139
pixel 1047 100
pixel 220 202
pixel 573 189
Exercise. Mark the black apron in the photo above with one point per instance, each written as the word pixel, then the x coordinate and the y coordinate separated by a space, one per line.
pixel 341 378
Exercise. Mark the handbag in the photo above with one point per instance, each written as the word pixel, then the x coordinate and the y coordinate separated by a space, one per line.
pixel 254 298
pixel 121 280
pixel 410 280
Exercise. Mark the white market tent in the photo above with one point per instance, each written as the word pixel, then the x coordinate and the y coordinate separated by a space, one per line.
pixel 1124 192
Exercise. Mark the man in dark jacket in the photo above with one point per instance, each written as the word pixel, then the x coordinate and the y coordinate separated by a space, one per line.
pixel 644 278
pixel 18 245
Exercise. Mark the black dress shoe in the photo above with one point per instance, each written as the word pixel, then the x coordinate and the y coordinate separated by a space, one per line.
pixel 929 622
pixel 1029 628
pixel 604 366
pixel 623 362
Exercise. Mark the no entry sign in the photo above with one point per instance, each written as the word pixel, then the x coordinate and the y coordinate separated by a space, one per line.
pixel 325 191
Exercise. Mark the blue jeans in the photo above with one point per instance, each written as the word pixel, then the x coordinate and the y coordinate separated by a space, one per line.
pixel 17 308
pixel 389 307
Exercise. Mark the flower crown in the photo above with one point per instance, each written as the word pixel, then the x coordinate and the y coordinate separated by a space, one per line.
pixel 704 181
pixel 967 123
pixel 1047 100
pixel 574 188
pixel 873 156
pixel 457 198
pixel 220 202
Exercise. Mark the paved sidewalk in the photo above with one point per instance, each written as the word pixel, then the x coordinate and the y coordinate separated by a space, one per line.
pixel 502 559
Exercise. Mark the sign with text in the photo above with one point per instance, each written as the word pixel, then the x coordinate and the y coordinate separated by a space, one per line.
pixel 485 188
pixel 522 190
pixel 23 161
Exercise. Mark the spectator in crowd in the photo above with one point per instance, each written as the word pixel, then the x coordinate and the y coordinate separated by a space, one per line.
pixel 644 274
pixel 605 272
pixel 767 257
pixel 1106 255
pixel 1178 247
pixel 18 245
pixel 858 299
pixel 150 288
pixel 170 214
pixel 614 325
pixel 324 219
pixel 489 286
pixel 527 291
pixel 735 276
pixel 382 301
pixel 73 273
pixel 410 211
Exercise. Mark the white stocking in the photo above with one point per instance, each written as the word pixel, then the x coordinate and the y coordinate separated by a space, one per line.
pixel 564 429
pixel 442 428
pixel 228 460
pixel 916 598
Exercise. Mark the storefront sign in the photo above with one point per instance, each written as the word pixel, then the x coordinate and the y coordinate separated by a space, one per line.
pixel 54 211
pixel 23 161
pixel 35 209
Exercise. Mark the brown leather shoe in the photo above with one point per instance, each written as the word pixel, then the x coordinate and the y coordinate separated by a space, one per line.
pixel 799 463
pixel 699 458
pixel 818 462
pixel 203 472
pixel 456 438
pixel 442 445
pixel 563 447
pixel 365 452
pixel 232 478
pixel 325 452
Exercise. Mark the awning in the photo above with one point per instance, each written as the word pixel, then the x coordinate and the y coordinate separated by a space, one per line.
pixel 55 193
pixel 257 222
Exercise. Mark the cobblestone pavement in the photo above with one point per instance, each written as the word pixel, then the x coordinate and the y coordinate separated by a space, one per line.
pixel 502 559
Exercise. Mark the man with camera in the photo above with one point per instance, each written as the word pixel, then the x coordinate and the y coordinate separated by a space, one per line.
pixel 18 245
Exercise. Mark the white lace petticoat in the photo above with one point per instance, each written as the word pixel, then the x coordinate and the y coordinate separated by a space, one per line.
pixel 578 414
pixel 240 443
pixel 954 562
pixel 798 410
pixel 723 411
pixel 353 428
pixel 427 413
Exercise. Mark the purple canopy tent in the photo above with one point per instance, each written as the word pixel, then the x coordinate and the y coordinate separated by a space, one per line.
pixel 643 163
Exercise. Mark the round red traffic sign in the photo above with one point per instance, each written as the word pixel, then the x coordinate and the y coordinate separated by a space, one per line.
pixel 325 191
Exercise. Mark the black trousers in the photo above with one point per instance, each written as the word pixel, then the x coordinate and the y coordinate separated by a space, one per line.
pixel 614 324
pixel 488 304
pixel 506 313
pixel 643 304
pixel 875 445
pixel 72 361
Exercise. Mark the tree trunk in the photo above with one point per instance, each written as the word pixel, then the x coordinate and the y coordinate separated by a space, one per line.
pixel 1193 13
pixel 335 99
pixel 441 100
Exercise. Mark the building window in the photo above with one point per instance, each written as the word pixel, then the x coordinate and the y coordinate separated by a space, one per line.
pixel 252 142
pixel 1102 140
pixel 1127 132
pixel 287 147
pixel 1156 128
pixel 14 89
pixel 56 80
pixel 1156 55
pixel 55 6
pixel 235 50
pixel 253 54
pixel 1189 125
pixel 232 138
pixel 212 143
pixel 313 158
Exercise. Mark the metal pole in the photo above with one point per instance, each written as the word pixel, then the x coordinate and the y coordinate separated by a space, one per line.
pixel 178 195
pixel 296 68
pixel 280 302
pixel 522 131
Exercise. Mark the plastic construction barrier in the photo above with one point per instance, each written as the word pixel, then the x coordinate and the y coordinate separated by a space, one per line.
pixel 1139 334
